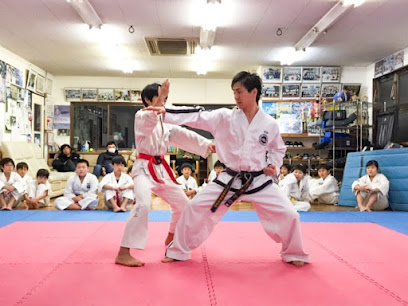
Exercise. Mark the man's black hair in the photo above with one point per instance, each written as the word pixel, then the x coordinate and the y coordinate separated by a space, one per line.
pixel 249 81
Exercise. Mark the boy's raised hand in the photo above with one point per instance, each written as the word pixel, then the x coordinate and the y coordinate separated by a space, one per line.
pixel 164 89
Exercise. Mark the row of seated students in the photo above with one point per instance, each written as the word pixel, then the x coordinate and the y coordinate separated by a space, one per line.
pixel 81 192
pixel 371 190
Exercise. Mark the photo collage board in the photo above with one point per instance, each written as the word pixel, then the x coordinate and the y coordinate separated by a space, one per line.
pixel 103 95
pixel 300 82
pixel 291 116
pixel 16 100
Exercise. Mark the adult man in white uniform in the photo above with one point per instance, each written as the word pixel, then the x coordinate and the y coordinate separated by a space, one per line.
pixel 249 144
pixel 151 173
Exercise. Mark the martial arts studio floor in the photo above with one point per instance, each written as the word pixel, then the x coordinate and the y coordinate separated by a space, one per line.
pixel 51 257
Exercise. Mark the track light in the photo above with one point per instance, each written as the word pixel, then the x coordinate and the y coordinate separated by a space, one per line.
pixel 206 38
pixel 86 12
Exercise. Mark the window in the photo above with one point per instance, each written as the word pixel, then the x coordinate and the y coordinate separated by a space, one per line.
pixel 102 122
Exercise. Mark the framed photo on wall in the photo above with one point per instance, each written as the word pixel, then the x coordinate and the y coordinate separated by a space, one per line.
pixel 290 91
pixel 48 86
pixel 310 90
pixel 73 94
pixel 292 74
pixel 329 90
pixel 122 95
pixel 89 94
pixel 331 74
pixel 311 74
pixel 40 84
pixel 271 74
pixel 37 139
pixel 135 95
pixel 31 79
pixel 106 94
pixel 271 90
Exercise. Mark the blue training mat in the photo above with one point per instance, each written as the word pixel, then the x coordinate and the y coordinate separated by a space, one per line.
pixel 393 164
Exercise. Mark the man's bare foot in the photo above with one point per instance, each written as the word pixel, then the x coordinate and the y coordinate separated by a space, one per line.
pixel 169 238
pixel 168 259
pixel 297 263
pixel 128 260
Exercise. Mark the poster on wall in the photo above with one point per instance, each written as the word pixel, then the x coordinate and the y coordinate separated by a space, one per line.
pixel 331 74
pixel 37 117
pixel 61 116
pixel 37 139
pixel 106 94
pixel 271 74
pixel 271 90
pixel 389 64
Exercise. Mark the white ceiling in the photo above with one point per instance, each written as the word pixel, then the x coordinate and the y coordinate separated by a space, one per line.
pixel 51 35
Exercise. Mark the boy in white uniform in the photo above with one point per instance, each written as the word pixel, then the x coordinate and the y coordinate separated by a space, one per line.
pixel 151 173
pixel 296 187
pixel 38 190
pixel 326 188
pixel 81 190
pixel 248 142
pixel 117 186
pixel 22 169
pixel 11 185
pixel 188 183
pixel 371 190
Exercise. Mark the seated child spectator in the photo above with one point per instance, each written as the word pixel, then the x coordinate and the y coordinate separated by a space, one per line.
pixel 326 188
pixel 284 170
pixel 117 186
pixel 187 182
pixel 11 185
pixel 66 160
pixel 38 190
pixel 184 157
pixel 81 190
pixel 104 163
pixel 296 187
pixel 218 168
pixel 371 190
pixel 22 169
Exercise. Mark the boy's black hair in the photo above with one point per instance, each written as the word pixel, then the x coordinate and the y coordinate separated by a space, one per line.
pixel 43 173
pixel 287 166
pixel 219 164
pixel 119 160
pixel 300 167
pixel 249 81
pixel 6 160
pixel 22 165
pixel 186 165
pixel 149 92
pixel 83 161
pixel 111 143
pixel 323 166
pixel 372 163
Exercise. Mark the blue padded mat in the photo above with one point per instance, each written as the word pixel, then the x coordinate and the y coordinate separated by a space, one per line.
pixel 397 221
pixel 393 164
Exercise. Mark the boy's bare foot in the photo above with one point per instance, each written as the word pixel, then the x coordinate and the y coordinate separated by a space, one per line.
pixel 128 260
pixel 123 208
pixel 169 238
pixel 116 208
pixel 297 263
pixel 168 259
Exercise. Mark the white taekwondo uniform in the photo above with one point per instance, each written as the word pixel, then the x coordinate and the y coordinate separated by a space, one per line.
pixel 152 138
pixel 27 180
pixel 324 190
pixel 379 181
pixel 241 147
pixel 190 184
pixel 34 190
pixel 17 182
pixel 88 188
pixel 297 193
pixel 124 181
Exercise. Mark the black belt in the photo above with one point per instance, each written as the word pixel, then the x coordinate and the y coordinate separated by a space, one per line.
pixel 246 177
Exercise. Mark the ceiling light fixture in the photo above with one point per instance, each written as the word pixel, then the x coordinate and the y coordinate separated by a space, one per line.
pixel 86 12
pixel 207 38
pixel 326 21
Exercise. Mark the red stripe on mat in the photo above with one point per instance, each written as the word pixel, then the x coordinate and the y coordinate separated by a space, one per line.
pixel 71 263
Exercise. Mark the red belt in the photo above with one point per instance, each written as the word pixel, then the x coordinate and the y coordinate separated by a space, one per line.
pixel 157 160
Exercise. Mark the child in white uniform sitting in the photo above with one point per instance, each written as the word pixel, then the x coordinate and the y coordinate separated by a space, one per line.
pixel 187 182
pixel 81 190
pixel 22 169
pixel 11 185
pixel 371 190
pixel 326 188
pixel 117 186
pixel 38 190
pixel 296 187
